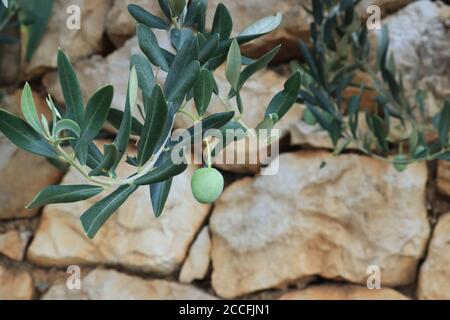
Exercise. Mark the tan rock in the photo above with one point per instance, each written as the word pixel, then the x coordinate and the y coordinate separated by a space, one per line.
pixel 120 25
pixel 15 285
pixel 13 244
pixel 435 271
pixel 112 285
pixel 132 237
pixel 334 222
pixel 77 43
pixel 386 6
pixel 443 177
pixel 343 292
pixel 23 176
pixel 420 43
pixel 197 262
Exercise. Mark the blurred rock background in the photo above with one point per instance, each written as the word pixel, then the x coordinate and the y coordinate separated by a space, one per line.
pixel 306 233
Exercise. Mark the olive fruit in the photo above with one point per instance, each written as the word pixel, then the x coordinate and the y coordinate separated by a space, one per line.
pixel 207 185
pixel 400 163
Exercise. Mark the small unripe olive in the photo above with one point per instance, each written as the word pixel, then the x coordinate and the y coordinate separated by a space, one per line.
pixel 400 163
pixel 309 118
pixel 207 185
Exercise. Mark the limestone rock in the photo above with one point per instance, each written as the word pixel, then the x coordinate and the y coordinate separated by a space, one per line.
pixel 111 285
pixel 420 42
pixel 77 43
pixel 15 285
pixel 132 237
pixel 23 176
pixel 13 244
pixel 443 177
pixel 197 263
pixel 343 292
pixel 435 271
pixel 120 25
pixel 334 222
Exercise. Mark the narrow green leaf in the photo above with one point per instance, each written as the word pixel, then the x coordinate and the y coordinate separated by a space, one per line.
pixel 71 89
pixel 383 45
pixel 233 67
pixel 176 7
pixel 29 109
pixel 94 218
pixel 97 110
pixel 123 136
pixel 158 195
pixel 183 72
pixel 185 83
pixel 95 157
pixel 108 162
pixel 146 18
pixel 222 24
pixel 203 91
pixel 207 51
pixel 380 133
pixel 444 124
pixel 285 99
pixel 69 125
pixel 157 111
pixel 260 28
pixel 164 172
pixel 144 71
pixel 115 118
pixel 164 5
pixel 64 194
pixel 254 67
pixel 24 136
pixel 150 47
pixel 160 191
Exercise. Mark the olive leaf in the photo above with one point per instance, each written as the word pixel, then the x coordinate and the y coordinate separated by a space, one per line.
pixel 146 18
pixel 285 99
pixel 203 91
pixel 24 136
pixel 71 89
pixel 94 218
pixel 64 194
pixel 29 109
pixel 156 117
pixel 150 47
pixel 233 68
pixel 222 23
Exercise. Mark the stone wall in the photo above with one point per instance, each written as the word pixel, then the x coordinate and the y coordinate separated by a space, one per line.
pixel 310 232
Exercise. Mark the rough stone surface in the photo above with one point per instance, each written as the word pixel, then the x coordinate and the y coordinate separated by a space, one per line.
pixel 111 285
pixel 132 237
pixel 23 175
pixel 13 244
pixel 120 25
pixel 435 272
pixel 343 292
pixel 77 43
pixel 333 222
pixel 420 42
pixel 15 285
pixel 197 263
pixel 443 177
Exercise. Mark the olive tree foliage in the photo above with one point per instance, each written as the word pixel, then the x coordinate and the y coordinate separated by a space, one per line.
pixel 340 48
pixel 198 50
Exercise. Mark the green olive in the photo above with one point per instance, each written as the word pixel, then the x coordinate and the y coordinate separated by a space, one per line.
pixel 400 163
pixel 207 185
